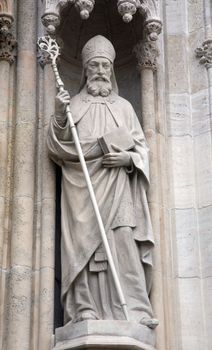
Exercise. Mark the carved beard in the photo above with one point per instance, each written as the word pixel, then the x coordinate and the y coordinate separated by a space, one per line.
pixel 97 85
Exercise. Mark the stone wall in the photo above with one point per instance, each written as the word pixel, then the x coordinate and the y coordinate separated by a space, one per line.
pixel 187 24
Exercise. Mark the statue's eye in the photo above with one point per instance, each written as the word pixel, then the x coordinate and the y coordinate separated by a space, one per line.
pixel 106 66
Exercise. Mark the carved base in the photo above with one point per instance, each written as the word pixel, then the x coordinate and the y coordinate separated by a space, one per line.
pixel 104 335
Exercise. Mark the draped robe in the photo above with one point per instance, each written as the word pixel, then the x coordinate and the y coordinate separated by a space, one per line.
pixel 120 192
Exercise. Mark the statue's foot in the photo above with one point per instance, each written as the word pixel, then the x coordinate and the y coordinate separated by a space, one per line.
pixel 85 316
pixel 149 322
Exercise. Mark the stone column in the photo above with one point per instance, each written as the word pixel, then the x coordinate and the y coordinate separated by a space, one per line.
pixel 147 53
pixel 21 262
pixel 47 238
pixel 7 45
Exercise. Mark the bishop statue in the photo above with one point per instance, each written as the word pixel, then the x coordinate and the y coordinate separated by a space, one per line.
pixel 120 178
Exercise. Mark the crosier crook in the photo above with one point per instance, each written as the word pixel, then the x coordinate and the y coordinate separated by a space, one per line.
pixel 51 47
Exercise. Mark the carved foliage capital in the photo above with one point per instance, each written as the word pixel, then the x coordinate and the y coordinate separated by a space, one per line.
pixel 146 53
pixel 205 53
pixel 7 40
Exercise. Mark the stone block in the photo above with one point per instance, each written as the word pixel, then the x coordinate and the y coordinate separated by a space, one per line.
pixel 185 244
pixel 104 335
pixel 177 57
pixel 175 17
pixel 21 249
pixel 183 172
pixel 200 112
pixel 203 163
pixel 190 314
pixel 205 229
pixel 179 123
pixel 195 15
pixel 207 285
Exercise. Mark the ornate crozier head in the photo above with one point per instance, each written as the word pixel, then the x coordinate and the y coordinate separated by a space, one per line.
pixel 98 75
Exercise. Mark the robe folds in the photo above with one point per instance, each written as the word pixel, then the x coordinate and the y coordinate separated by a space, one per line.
pixel 120 193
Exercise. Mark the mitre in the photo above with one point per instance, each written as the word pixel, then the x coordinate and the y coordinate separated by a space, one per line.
pixel 98 46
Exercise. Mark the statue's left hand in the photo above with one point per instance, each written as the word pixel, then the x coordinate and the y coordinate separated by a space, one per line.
pixel 118 159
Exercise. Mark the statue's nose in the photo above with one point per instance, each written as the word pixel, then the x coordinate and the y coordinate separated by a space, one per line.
pixel 100 69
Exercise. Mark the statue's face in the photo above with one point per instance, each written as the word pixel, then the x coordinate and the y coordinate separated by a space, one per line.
pixel 99 69
pixel 98 72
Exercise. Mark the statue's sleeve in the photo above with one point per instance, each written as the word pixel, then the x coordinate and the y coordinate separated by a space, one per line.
pixel 57 139
pixel 140 156
pixel 62 132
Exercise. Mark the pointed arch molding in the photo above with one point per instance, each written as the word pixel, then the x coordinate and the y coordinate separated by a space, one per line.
pixel 149 9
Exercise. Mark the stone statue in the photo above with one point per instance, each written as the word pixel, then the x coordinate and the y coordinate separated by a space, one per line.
pixel 120 180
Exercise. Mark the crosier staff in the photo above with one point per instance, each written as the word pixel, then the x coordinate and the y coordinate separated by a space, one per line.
pixel 50 46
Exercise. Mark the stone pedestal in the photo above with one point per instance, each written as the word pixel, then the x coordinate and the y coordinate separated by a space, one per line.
pixel 104 335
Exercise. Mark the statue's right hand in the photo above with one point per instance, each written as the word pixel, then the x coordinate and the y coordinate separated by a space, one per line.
pixel 61 101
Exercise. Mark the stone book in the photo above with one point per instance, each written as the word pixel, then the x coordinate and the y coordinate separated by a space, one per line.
pixel 119 137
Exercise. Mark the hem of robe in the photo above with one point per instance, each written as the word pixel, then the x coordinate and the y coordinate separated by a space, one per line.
pixel 145 257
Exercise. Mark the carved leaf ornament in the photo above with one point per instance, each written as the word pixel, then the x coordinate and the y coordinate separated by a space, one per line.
pixel 205 53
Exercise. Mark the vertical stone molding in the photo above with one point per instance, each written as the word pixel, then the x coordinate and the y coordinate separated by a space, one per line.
pixel 7 45
pixel 4 200
pixel 20 279
pixel 47 238
pixel 147 53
